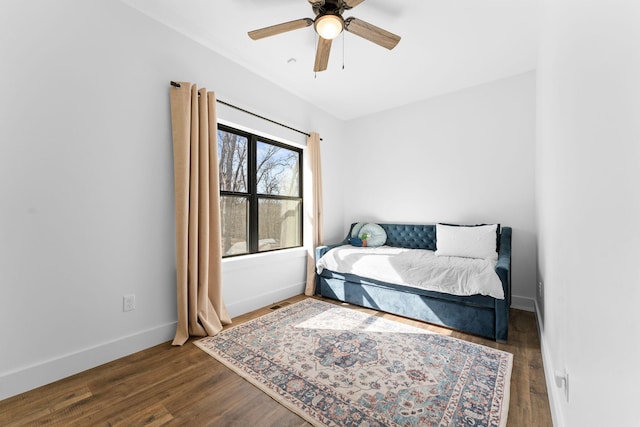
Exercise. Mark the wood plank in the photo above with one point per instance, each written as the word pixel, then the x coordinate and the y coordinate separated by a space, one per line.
pixel 540 410
pixel 26 412
pixel 154 416
pixel 166 385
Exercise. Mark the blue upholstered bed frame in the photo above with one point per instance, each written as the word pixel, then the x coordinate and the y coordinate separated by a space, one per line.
pixel 476 314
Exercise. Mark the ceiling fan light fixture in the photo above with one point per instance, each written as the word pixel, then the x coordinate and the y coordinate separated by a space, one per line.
pixel 329 26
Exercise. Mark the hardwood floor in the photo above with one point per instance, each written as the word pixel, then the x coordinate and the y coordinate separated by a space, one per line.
pixel 167 385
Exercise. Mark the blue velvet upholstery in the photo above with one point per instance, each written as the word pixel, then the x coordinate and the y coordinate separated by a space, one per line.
pixel 476 314
pixel 410 236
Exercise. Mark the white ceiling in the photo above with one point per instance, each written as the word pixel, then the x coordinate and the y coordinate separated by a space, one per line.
pixel 446 45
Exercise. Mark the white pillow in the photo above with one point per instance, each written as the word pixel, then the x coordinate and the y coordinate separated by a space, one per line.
pixel 467 242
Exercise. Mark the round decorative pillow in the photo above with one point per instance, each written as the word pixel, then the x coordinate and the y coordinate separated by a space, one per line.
pixel 355 231
pixel 372 235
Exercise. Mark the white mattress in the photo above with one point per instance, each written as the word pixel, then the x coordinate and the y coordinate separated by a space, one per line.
pixel 418 268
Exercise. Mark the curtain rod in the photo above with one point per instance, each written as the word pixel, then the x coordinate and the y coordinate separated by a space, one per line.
pixel 252 113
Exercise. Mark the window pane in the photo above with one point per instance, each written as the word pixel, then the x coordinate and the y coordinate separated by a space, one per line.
pixel 232 161
pixel 279 224
pixel 277 170
pixel 234 213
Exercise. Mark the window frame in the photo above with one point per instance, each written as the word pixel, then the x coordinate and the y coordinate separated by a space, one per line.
pixel 253 197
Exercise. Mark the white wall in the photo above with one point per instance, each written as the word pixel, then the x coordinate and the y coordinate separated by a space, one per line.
pixel 86 184
pixel 465 157
pixel 588 170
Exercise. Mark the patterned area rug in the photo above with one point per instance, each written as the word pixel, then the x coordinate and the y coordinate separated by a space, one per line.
pixel 339 367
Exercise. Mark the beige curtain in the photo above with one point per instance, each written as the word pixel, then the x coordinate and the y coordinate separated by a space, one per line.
pixel 313 207
pixel 201 310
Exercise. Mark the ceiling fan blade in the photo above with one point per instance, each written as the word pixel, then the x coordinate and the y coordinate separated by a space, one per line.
pixel 350 4
pixel 280 28
pixel 372 33
pixel 322 55
pixel 317 2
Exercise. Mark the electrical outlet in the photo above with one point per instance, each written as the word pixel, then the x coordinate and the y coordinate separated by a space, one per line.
pixel 562 381
pixel 540 288
pixel 129 302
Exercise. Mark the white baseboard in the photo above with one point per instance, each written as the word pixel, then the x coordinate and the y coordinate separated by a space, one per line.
pixel 547 364
pixel 37 375
pixel 258 301
pixel 523 303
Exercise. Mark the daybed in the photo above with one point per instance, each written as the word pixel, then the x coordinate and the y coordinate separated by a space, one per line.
pixel 477 314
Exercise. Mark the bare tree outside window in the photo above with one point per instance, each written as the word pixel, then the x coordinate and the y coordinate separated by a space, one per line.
pixel 278 175
pixel 232 158
pixel 261 210
pixel 277 170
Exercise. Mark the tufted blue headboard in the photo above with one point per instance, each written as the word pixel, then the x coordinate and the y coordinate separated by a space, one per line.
pixel 412 236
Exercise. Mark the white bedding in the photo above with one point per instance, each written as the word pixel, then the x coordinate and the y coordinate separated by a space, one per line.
pixel 418 268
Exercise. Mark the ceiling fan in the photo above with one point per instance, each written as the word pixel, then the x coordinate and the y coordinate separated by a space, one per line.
pixel 329 23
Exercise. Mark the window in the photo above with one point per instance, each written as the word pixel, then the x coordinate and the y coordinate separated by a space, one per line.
pixel 260 193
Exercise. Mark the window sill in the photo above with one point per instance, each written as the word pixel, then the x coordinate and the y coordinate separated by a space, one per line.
pixel 241 261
